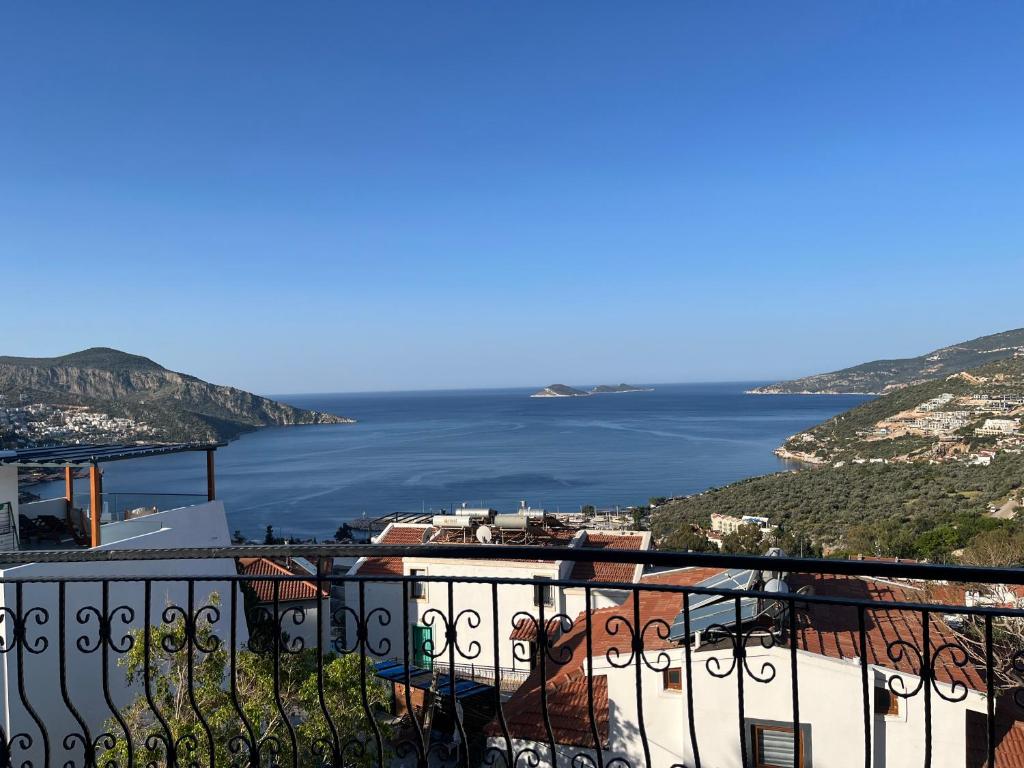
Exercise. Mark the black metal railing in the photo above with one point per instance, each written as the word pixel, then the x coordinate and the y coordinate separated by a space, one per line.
pixel 173 657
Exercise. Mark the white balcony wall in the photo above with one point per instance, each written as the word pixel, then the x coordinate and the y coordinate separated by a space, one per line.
pixel 202 525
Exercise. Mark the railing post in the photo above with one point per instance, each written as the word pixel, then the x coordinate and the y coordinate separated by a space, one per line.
pixel 95 503
pixel 211 482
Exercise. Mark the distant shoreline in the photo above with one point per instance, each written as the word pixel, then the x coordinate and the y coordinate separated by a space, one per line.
pixel 807 392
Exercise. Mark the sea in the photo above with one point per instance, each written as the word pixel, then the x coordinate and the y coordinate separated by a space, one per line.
pixel 423 451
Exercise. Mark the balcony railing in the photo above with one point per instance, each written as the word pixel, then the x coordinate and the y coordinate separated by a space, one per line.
pixel 150 657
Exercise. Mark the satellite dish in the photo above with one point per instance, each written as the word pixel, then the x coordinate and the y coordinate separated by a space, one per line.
pixel 427 533
pixel 483 534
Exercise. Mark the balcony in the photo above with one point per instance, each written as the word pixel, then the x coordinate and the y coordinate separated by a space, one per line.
pixel 186 657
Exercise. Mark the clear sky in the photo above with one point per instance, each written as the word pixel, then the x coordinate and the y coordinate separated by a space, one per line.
pixel 331 196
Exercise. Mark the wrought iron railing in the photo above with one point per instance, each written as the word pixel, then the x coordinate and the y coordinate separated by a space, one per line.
pixel 139 658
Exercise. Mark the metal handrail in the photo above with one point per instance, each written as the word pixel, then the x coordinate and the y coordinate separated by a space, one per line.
pixel 667 559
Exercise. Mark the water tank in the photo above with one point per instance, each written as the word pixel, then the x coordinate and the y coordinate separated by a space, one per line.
pixel 452 521
pixel 517 522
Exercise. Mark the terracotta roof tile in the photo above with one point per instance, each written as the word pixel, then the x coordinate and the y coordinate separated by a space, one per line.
pixel 289 590
pixel 832 630
pixel 615 572
pixel 395 534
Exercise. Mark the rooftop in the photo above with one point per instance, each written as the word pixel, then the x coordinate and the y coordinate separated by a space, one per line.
pixel 94 453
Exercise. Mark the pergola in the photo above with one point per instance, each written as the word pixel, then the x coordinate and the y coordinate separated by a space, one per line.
pixel 72 457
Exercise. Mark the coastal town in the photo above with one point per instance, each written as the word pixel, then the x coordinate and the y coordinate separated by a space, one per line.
pixel 970 428
pixel 44 423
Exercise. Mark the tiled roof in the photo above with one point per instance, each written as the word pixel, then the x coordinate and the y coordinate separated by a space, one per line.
pixel 289 590
pixel 566 685
pixel 832 630
pixel 615 572
pixel 524 630
pixel 827 630
pixel 395 534
pixel 567 712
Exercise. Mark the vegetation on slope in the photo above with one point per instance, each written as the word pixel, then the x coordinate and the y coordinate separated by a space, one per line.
pixel 897 510
pixel 881 376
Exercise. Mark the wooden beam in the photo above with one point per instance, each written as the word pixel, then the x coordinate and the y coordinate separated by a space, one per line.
pixel 95 503
pixel 211 479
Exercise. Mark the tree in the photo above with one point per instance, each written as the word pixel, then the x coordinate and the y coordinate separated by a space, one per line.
pixel 587 509
pixel 692 539
pixel 745 540
pixel 180 701
pixel 269 537
pixel 639 513
pixel 657 501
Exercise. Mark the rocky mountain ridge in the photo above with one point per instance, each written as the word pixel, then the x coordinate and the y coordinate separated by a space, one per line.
pixel 176 405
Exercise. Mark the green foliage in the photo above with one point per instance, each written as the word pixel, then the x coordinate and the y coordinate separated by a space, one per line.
pixel 657 501
pixel 691 539
pixel 180 704
pixel 881 509
pixel 745 540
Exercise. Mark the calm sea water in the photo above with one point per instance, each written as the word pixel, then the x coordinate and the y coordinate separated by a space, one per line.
pixel 419 450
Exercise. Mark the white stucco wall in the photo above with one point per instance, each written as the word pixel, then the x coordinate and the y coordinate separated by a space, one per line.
pixel 512 599
pixel 830 704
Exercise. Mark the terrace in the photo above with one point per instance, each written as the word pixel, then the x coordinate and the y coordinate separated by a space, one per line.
pixel 704 660
pixel 96 517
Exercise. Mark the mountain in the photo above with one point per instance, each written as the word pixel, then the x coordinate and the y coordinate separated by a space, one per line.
pixel 881 376
pixel 604 389
pixel 919 472
pixel 140 398
pixel 559 390
pixel 932 421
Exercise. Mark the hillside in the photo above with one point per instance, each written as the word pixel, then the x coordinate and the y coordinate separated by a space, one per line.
pixel 881 376
pixel 895 510
pixel 915 473
pixel 935 420
pixel 110 394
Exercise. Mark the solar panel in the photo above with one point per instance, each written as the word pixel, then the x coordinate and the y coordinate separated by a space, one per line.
pixel 706 610
pixel 734 578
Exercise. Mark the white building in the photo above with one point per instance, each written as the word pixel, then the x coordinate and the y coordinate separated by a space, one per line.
pixel 201 524
pixel 424 606
pixel 829 684
pixel 998 427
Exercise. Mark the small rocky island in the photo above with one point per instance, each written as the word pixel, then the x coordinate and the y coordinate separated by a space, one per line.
pixel 561 390
pixel 607 389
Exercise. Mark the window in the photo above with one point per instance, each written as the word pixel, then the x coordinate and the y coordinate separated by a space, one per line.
pixel 773 746
pixel 886 702
pixel 418 588
pixel 542 593
pixel 672 679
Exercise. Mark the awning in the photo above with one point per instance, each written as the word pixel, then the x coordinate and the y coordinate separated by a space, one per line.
pixel 394 671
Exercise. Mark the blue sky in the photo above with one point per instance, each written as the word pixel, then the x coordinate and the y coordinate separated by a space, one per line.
pixel 330 196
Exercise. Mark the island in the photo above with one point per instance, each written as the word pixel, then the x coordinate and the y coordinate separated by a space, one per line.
pixel 559 390
pixel 608 389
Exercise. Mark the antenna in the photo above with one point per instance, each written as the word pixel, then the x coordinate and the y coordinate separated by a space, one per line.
pixel 483 534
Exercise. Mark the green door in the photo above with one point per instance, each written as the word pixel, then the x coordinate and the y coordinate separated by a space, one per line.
pixel 421 634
